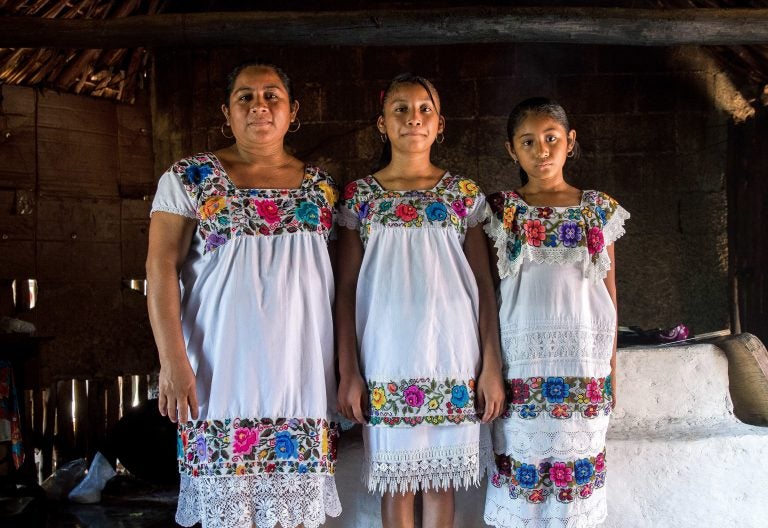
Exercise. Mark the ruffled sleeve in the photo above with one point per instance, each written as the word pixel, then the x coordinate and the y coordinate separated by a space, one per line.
pixel 172 195
pixel 613 217
pixel 500 215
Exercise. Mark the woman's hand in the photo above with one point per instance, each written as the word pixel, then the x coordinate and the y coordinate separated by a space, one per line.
pixel 177 393
pixel 353 397
pixel 490 394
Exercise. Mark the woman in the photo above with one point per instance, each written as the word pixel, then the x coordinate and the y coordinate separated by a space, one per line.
pixel 240 290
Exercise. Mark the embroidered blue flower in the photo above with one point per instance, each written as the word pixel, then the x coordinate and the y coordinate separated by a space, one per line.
pixel 513 249
pixel 522 209
pixel 363 212
pixel 436 211
pixel 555 390
pixel 551 240
pixel 213 241
pixel 513 494
pixel 573 214
pixel 198 173
pixel 308 213
pixel 601 213
pixel 583 471
pixel 527 411
pixel 459 395
pixel 285 445
pixel 527 476
pixel 569 234
pixel 303 468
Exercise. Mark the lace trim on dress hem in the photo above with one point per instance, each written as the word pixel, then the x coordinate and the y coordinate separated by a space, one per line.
pixel 502 516
pixel 259 501
pixel 423 469
pixel 173 210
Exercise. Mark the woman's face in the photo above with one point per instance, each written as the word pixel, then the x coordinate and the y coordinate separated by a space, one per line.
pixel 410 118
pixel 259 108
pixel 541 146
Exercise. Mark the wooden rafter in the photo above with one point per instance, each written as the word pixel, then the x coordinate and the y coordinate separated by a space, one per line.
pixel 618 26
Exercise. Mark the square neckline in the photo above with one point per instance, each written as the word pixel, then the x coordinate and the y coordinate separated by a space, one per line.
pixel 225 175
pixel 579 205
pixel 432 189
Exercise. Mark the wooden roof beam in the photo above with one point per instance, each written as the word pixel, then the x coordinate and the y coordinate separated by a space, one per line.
pixel 615 26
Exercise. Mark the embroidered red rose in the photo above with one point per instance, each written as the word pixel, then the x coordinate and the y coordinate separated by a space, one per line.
pixel 268 210
pixel 406 212
pixel 595 240
pixel 326 218
pixel 350 190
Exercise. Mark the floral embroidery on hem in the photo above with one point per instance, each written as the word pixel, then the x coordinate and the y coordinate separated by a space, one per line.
pixel 559 396
pixel 410 402
pixel 566 481
pixel 245 446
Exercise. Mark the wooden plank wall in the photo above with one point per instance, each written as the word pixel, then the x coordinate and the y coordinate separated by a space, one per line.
pixel 84 167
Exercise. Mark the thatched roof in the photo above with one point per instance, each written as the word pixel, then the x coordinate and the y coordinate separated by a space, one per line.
pixel 119 73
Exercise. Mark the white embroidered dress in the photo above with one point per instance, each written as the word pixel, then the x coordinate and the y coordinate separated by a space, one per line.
pixel 257 291
pixel 417 329
pixel 557 329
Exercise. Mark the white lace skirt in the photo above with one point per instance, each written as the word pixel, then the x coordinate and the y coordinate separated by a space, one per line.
pixel 263 500
pixel 402 460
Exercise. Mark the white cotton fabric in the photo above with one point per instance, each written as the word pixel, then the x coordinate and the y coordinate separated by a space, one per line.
pixel 417 308
pixel 256 318
pixel 557 319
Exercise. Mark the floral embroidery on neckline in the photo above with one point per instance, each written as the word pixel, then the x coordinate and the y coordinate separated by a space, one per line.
pixel 447 205
pixel 245 446
pixel 225 212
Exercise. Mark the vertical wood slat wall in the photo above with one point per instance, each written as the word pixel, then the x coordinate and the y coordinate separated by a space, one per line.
pixel 98 404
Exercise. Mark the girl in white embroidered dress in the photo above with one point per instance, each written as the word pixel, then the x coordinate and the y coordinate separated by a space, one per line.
pixel 415 296
pixel 240 290
pixel 555 261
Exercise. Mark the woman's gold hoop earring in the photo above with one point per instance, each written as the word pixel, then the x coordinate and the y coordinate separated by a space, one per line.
pixel 440 138
pixel 222 131
pixel 383 138
pixel 298 125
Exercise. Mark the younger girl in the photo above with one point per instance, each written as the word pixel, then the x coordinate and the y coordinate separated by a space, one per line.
pixel 558 331
pixel 415 297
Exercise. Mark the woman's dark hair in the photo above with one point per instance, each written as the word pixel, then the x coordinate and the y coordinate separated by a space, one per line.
pixel 537 106
pixel 403 78
pixel 257 63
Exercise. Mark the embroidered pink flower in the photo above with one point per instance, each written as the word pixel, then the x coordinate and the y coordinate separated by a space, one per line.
pixel 560 474
pixel 459 208
pixel 391 387
pixel 326 218
pixel 535 232
pixel 496 480
pixel 243 440
pixel 586 491
pixel 600 463
pixel 590 411
pixel 268 210
pixel 413 396
pixel 594 393
pixel 595 240
pixel 406 212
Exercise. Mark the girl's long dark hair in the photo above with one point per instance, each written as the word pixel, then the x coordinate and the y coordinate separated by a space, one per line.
pixel 403 78
pixel 537 106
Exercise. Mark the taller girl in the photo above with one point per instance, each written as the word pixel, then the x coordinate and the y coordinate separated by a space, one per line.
pixel 558 331
pixel 415 298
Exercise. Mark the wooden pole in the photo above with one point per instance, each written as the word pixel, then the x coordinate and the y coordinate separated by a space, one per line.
pixel 616 26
